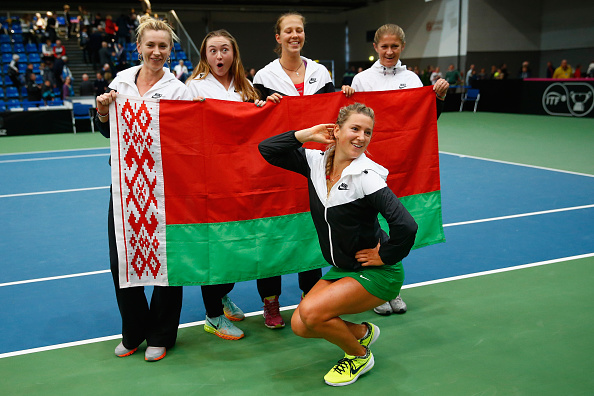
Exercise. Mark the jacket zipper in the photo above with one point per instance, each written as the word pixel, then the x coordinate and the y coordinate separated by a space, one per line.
pixel 329 229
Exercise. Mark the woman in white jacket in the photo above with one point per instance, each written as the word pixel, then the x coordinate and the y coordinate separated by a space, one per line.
pixel 156 323
pixel 388 73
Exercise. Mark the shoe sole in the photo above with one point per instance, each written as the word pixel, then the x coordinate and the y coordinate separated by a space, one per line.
pixel 383 313
pixel 233 318
pixel 214 331
pixel 369 366
pixel 128 353
pixel 280 326
pixel 155 359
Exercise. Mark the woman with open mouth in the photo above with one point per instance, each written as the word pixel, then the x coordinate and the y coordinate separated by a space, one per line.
pixel 220 75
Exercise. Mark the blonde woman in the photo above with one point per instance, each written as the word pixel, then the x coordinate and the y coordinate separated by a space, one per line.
pixel 156 323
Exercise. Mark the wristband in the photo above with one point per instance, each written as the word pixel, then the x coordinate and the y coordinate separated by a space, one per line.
pixel 440 97
pixel 101 115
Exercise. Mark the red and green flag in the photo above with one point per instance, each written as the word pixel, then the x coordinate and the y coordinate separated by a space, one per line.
pixel 195 203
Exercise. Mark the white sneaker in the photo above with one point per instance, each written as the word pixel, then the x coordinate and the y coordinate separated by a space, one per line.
pixel 384 309
pixel 398 306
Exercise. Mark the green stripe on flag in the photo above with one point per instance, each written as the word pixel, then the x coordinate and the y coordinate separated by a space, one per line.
pixel 236 251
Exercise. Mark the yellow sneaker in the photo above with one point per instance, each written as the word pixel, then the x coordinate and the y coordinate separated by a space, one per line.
pixel 348 369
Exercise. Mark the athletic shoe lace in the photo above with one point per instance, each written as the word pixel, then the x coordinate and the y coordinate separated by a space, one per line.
pixel 344 364
pixel 272 307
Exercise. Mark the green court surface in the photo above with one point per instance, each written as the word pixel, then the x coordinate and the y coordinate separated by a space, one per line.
pixel 522 332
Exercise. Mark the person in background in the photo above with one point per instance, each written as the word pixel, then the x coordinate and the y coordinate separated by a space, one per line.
pixel 47 92
pixel 564 71
pixel 59 49
pixel 33 89
pixel 86 86
pixel 550 69
pixel 110 29
pixel 181 71
pixel 469 74
pixel 453 76
pixel 14 73
pixel 577 73
pixel 220 75
pixel 100 84
pixel 435 75
pixel 158 322
pixel 366 262
pixel 67 90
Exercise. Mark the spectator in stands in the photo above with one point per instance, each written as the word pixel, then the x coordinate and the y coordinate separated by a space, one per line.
pixel 28 29
pixel 577 73
pixel 504 72
pixel 107 73
pixel 493 72
pixel 14 73
pixel 47 92
pixel 120 58
pixel 95 40
pixel 59 50
pixel 50 27
pixel 69 25
pixel 525 71
pixel 83 43
pixel 28 72
pixel 469 74
pixel 123 31
pixel 550 69
pixel 47 51
pixel 482 75
pixel 110 29
pixel 347 77
pixel 181 71
pixel 563 71
pixel 105 54
pixel 100 84
pixel 33 89
pixel 453 76
pixel 98 21
pixel 590 72
pixel 66 70
pixel 426 76
pixel 67 90
pixel 40 27
pixel 47 74
pixel 435 75
pixel 57 70
pixel 86 86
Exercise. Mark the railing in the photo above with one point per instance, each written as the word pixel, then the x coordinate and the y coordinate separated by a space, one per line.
pixel 187 44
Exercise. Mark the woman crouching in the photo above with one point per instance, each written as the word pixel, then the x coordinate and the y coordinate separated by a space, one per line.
pixel 346 192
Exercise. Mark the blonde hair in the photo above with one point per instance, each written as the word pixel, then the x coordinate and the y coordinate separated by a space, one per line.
pixel 242 85
pixel 277 28
pixel 149 23
pixel 343 115
pixel 389 29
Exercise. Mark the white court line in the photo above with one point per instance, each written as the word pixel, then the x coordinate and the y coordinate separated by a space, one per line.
pixel 517 164
pixel 22 282
pixel 445 225
pixel 192 324
pixel 54 192
pixel 518 215
pixel 54 151
pixel 54 158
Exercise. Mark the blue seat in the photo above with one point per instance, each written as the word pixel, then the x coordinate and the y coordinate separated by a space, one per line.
pixel 82 111
pixel 36 69
pixel 22 67
pixel 17 38
pixel 12 93
pixel 8 82
pixel 31 48
pixel 1 94
pixel 19 48
pixel 34 58
pixel 131 47
pixel 4 39
pixel 39 79
pixel 6 57
pixel 181 55
pixel 6 48
pixel 472 95
pixel 16 28
pixel 23 58
pixel 13 104
pixel 177 46
pixel 55 102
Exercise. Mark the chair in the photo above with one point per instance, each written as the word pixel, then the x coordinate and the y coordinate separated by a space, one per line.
pixel 8 82
pixel 472 95
pixel 81 111
pixel 6 56
pixel 6 48
pixel 17 38
pixel 1 94
pixel 19 48
pixel 13 104
pixel 34 58
pixel 31 48
pixel 12 93
pixel 4 39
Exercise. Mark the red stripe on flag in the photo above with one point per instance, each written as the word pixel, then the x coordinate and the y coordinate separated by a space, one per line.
pixel 214 173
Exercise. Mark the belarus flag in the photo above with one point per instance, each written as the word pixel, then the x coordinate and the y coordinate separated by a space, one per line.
pixel 196 204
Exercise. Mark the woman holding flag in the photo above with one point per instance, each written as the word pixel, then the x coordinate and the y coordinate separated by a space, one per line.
pixel 156 323
pixel 388 73
pixel 289 75
pixel 220 75
pixel 346 192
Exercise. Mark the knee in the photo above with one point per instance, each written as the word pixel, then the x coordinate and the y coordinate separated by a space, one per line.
pixel 297 325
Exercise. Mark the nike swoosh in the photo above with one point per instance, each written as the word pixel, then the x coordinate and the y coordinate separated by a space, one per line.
pixel 355 371
pixel 363 277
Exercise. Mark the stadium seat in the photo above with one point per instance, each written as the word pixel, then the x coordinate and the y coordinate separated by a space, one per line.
pixel 22 67
pixel 177 46
pixel 82 111
pixel 4 39
pixel 19 48
pixel 17 38
pixel 13 104
pixel 31 48
pixel 6 48
pixel 472 95
pixel 12 93
pixel 34 58
pixel 8 82
pixel 6 57
pixel 23 58
pixel 1 94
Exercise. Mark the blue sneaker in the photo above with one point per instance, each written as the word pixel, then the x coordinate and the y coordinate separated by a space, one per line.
pixel 222 327
pixel 232 311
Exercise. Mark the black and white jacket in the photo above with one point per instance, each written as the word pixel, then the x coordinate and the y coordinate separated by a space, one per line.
pixel 346 218
pixel 273 79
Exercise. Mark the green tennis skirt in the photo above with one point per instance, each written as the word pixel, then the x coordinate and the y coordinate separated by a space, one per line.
pixel 383 282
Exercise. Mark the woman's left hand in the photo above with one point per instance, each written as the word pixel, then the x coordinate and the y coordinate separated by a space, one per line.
pixel 348 90
pixel 441 88
pixel 259 103
pixel 369 257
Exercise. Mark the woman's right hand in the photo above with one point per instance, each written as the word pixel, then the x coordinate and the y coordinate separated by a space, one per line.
pixel 275 97
pixel 322 133
pixel 198 99
pixel 104 100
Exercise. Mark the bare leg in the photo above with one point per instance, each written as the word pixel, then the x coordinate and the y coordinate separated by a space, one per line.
pixel 318 315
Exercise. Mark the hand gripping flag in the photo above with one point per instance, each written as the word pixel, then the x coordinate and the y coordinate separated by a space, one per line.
pixel 196 204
